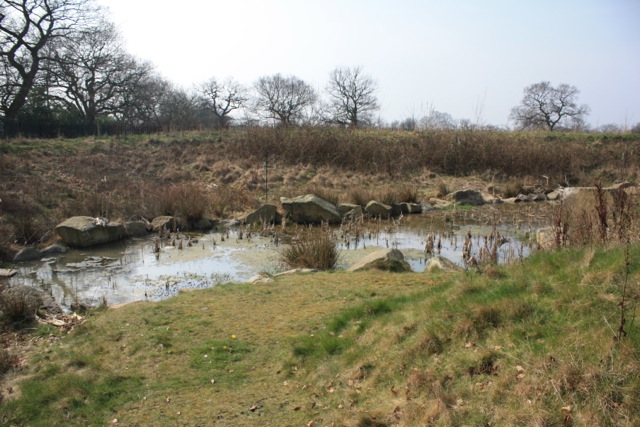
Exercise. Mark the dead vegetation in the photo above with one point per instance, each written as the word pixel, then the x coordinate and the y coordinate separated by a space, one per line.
pixel 43 182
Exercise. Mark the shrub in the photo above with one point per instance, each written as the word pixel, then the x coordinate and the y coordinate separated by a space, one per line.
pixel 312 248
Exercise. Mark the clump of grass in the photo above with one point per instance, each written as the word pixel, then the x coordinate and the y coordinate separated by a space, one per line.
pixel 189 201
pixel 512 189
pixel 408 194
pixel 359 196
pixel 388 196
pixel 18 305
pixel 442 189
pixel 311 248
pixel 7 361
pixel 478 321
pixel 226 199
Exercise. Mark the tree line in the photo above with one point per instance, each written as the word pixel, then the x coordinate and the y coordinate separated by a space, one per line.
pixel 64 71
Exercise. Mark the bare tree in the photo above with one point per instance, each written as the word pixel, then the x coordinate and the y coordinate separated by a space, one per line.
pixel 222 98
pixel 437 120
pixel 352 98
pixel 283 99
pixel 178 110
pixel 27 27
pixel 142 103
pixel 546 107
pixel 92 74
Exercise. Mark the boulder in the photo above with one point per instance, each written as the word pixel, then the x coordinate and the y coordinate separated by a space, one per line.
pixel 546 238
pixel 165 222
pixel 589 192
pixel 138 228
pixel 353 214
pixel 265 214
pixel 204 224
pixel 82 231
pixel 27 254
pixel 383 259
pixel 490 199
pixel 410 208
pixel 466 197
pixel 260 278
pixel 378 210
pixel 53 250
pixel 436 203
pixel 296 271
pixel 554 195
pixel 345 208
pixel 6 273
pixel 310 209
pixel 439 263
pixel 396 209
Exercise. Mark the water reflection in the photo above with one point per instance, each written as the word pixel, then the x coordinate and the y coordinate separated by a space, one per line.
pixel 152 268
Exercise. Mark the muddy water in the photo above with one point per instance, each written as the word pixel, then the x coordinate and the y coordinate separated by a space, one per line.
pixel 153 269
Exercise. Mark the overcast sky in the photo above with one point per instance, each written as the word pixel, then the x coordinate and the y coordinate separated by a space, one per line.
pixel 471 59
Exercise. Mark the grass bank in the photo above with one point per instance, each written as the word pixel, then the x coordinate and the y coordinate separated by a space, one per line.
pixel 530 344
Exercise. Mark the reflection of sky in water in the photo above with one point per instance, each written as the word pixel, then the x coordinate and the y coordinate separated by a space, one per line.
pixel 130 271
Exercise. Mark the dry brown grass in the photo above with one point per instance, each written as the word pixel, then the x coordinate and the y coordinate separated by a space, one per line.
pixel 46 181
pixel 599 216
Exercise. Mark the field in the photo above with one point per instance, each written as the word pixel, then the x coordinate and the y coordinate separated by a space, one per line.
pixel 550 341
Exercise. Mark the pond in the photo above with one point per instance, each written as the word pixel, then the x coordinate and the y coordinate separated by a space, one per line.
pixel 152 269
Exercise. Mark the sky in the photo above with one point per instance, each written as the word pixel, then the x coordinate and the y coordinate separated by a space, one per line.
pixel 471 59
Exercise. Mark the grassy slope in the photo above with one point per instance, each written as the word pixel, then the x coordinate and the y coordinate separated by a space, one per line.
pixel 526 345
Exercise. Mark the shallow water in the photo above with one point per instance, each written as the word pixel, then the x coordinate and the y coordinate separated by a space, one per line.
pixel 136 269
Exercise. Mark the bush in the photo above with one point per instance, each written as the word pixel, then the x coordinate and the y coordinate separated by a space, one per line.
pixel 312 248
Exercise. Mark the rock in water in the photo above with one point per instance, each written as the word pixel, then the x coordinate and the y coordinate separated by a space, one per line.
pixel 82 231
pixel 384 259
pixel 310 209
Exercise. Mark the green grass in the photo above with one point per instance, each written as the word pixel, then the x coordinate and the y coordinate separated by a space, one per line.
pixel 531 346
